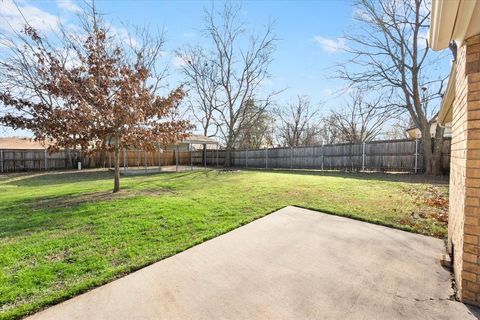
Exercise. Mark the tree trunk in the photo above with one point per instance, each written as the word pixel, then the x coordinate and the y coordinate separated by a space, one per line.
pixel 70 159
pixel 228 157
pixel 116 177
pixel 228 150
pixel 204 155
pixel 433 151
pixel 437 151
pixel 103 156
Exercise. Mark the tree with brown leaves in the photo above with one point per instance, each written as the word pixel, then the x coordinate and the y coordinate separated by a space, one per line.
pixel 90 93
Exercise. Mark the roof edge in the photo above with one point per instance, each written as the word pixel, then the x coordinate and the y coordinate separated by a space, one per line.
pixel 445 113
pixel 442 23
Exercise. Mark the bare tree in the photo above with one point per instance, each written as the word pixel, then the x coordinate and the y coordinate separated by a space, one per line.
pixel 397 129
pixel 328 132
pixel 241 62
pixel 298 124
pixel 258 129
pixel 358 121
pixel 202 82
pixel 391 55
pixel 203 87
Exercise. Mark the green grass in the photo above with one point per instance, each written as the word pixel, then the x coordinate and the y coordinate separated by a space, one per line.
pixel 64 233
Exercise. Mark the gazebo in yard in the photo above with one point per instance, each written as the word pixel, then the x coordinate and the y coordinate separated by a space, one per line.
pixel 195 139
pixel 187 147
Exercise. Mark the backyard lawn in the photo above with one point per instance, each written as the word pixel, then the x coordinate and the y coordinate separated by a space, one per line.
pixel 63 233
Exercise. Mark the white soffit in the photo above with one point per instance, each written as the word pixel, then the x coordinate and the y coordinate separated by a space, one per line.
pixel 444 14
pixel 474 26
pixel 453 20
pixel 466 21
pixel 446 106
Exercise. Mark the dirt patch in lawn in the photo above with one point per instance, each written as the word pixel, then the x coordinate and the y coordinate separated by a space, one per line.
pixel 94 197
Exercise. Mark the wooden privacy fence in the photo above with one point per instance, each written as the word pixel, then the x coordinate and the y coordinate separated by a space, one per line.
pixel 16 160
pixel 32 159
pixel 388 155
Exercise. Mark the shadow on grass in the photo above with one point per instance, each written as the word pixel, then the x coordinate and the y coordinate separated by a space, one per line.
pixel 23 221
pixel 29 179
pixel 186 174
pixel 61 177
pixel 55 177
pixel 379 176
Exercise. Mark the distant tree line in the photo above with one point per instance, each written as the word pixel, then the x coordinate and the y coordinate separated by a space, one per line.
pixel 93 90
pixel 390 83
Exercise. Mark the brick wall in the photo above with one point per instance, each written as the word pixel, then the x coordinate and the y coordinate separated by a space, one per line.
pixel 464 217
pixel 458 169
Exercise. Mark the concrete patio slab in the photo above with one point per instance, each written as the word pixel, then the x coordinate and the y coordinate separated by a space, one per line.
pixel 292 264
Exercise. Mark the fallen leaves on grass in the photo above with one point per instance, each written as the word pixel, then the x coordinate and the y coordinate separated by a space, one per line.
pixel 435 211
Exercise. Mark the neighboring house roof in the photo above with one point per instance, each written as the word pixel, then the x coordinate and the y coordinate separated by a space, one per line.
pixel 20 143
pixel 199 139
pixel 453 20
pixel 28 143
pixel 415 133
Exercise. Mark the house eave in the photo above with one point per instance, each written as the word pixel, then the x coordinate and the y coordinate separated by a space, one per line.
pixel 446 106
pixel 442 23
pixel 452 21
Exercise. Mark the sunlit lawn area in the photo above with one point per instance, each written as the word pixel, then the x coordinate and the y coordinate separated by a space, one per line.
pixel 63 233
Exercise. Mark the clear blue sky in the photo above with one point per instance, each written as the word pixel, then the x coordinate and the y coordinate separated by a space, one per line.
pixel 310 33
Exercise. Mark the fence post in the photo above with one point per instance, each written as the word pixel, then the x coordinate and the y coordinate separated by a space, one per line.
pixel 205 155
pixel 46 160
pixel 323 153
pixel 291 157
pixel 266 158
pixel 416 155
pixel 176 158
pixel 145 159
pixel 124 159
pixel 159 158
pixel 191 157
pixel 1 157
pixel 217 155
pixel 363 156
